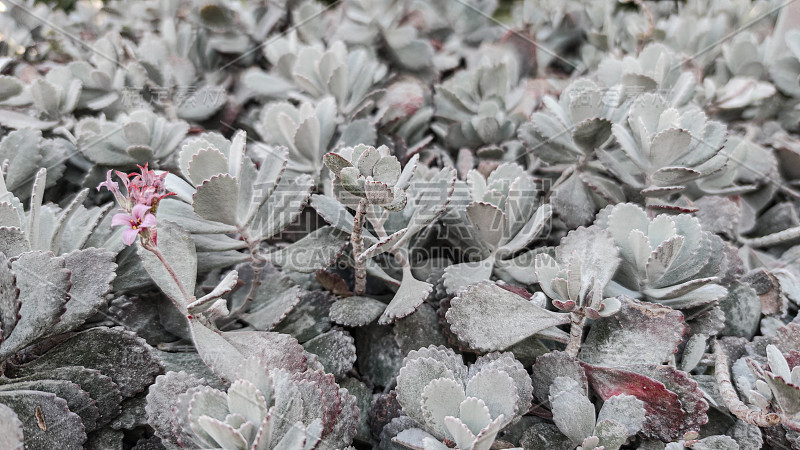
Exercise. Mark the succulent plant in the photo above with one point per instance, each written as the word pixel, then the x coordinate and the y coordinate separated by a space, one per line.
pixel 565 136
pixel 496 217
pixel 384 24
pixel 142 136
pixel 466 405
pixel 263 408
pixel 573 413
pixel 306 131
pixel 776 386
pixel 662 149
pixel 668 259
pixel 16 147
pixel 476 108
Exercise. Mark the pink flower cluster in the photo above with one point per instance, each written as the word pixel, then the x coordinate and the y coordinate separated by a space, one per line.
pixel 142 193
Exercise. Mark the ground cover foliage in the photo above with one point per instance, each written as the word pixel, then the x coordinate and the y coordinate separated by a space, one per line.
pixel 400 224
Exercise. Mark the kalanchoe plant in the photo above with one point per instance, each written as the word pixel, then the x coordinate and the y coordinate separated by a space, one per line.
pixel 575 280
pixel 667 259
pixel 366 176
pixel 565 136
pixel 495 217
pixel 264 408
pixel 460 404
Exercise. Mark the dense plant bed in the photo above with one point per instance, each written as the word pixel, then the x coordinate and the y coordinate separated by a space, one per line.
pixel 400 224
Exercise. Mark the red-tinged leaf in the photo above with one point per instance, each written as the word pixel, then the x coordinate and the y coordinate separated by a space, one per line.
pixel 665 416
pixel 673 401
pixel 679 382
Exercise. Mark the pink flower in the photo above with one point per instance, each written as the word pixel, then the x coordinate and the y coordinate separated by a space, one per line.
pixel 139 219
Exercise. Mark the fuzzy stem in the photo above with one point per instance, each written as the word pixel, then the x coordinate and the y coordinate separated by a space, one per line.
pixel 186 298
pixel 577 320
pixel 357 242
pixel 728 393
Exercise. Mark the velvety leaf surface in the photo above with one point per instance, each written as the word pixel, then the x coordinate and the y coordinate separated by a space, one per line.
pixel 640 333
pixel 116 353
pixel 55 426
pixel 489 317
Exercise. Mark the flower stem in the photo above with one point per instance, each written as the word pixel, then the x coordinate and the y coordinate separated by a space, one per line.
pixel 577 320
pixel 186 298
pixel 357 242
pixel 728 393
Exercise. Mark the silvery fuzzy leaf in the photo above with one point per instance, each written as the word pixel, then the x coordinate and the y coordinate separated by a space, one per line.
pixel 529 231
pixel 693 352
pixel 552 365
pixel 282 208
pixel 628 337
pixel 545 435
pixel 409 296
pixel 223 352
pixel 591 133
pixel 611 434
pixel 216 199
pixel 498 391
pixel 458 276
pixel 54 426
pixel 335 213
pixel 489 317
pixel 507 363
pixel 573 412
pixel 43 283
pixel 178 211
pixel 777 363
pixel 572 202
pixel 10 302
pixel 91 276
pixel 412 380
pixel 14 241
pixel 201 104
pixel 77 399
pixel 205 164
pixel 718 442
pixel 16 120
pixel 384 245
pixel 119 354
pixel 178 249
pixel 414 438
pixel 336 351
pixel 441 397
pixel 11 433
pixel 274 299
pixel 315 251
pixel 356 311
pixel 103 391
pixel 626 410
pixel 785 394
pixel 9 87
pixel 489 220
